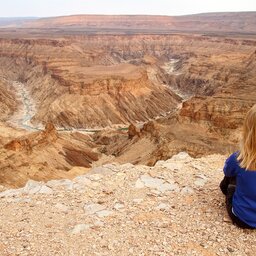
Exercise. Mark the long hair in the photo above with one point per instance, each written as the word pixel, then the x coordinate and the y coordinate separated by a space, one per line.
pixel 247 155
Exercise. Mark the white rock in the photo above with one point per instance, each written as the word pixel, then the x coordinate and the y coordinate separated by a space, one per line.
pixel 151 182
pixel 45 190
pixel 200 182
pixel 32 187
pixel 80 228
pixel 101 170
pixel 181 156
pixel 120 174
pixel 137 200
pixel 11 193
pixel 131 251
pixel 93 208
pixel 99 223
pixel 139 184
pixel 94 177
pixel 168 187
pixel 104 213
pixel 83 180
pixel 62 207
pixel 172 166
pixel 201 179
pixel 201 176
pixel 64 183
pixel 187 190
pixel 159 184
pixel 127 166
pixel 118 206
pixel 112 167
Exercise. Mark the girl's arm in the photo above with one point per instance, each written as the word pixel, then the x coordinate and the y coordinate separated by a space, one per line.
pixel 230 166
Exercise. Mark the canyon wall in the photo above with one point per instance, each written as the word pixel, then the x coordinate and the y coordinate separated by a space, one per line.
pixel 217 84
pixel 8 103
pixel 227 107
pixel 181 92
pixel 95 81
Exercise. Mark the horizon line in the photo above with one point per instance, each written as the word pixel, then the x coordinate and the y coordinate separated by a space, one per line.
pixel 103 14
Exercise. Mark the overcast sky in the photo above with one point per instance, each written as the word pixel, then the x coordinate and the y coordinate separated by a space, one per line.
pixel 45 8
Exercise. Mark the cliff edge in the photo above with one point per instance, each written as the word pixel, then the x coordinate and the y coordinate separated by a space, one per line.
pixel 173 208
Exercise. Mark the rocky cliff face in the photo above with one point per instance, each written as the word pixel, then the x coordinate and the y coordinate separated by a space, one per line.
pixel 217 87
pixel 95 81
pixel 8 103
pixel 44 155
pixel 82 88
pixel 230 102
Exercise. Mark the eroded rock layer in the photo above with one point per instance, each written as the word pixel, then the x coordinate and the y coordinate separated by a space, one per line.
pixel 95 81
pixel 8 103
pixel 44 155
pixel 205 122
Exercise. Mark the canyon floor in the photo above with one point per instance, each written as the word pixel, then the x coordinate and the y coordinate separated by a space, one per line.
pixel 173 208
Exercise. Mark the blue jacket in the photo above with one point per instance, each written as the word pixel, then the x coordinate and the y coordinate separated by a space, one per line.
pixel 244 199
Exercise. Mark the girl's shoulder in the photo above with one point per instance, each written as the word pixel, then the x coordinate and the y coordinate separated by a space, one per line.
pixel 233 157
pixel 232 160
pixel 235 163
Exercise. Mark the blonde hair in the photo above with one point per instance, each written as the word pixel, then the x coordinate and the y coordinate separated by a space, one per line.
pixel 247 155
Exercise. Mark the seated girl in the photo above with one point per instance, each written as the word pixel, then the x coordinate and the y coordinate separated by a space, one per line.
pixel 239 183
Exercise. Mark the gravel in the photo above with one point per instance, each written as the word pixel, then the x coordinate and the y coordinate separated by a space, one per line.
pixel 174 208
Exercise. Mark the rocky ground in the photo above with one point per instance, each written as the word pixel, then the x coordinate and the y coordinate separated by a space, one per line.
pixel 173 208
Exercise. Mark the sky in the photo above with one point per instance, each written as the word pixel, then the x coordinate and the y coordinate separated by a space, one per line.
pixel 47 8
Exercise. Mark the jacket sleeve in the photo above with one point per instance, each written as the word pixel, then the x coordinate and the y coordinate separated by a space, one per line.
pixel 230 166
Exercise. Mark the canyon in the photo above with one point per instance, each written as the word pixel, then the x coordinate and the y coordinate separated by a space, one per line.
pixel 92 91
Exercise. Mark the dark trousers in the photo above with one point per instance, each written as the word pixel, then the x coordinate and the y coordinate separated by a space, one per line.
pixel 228 188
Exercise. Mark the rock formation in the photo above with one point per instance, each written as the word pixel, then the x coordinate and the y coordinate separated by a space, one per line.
pixel 45 155
pixel 8 103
